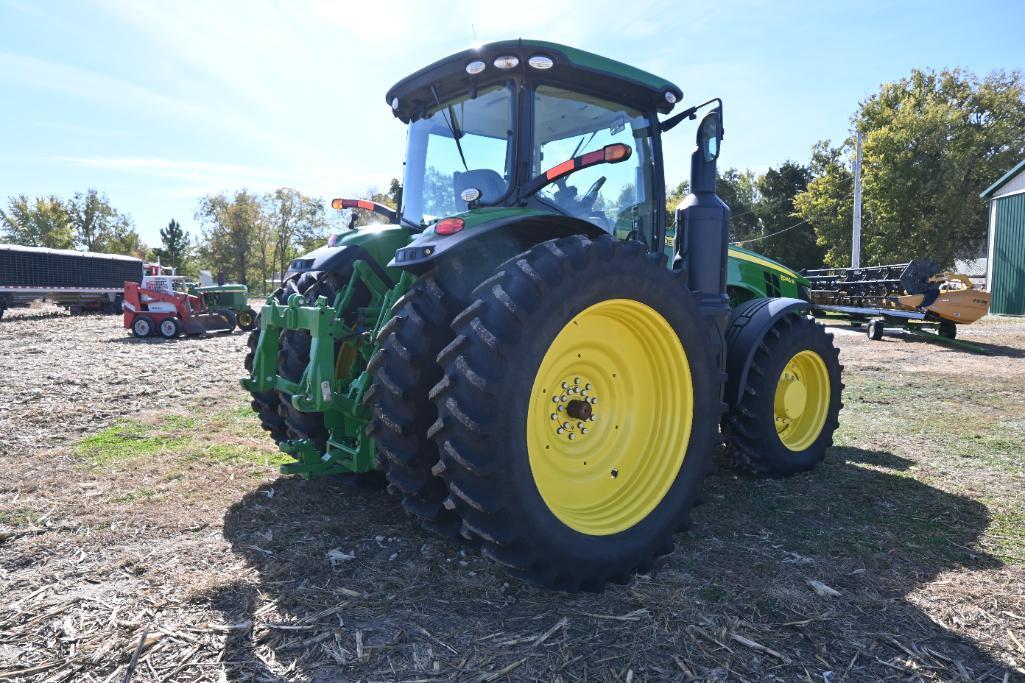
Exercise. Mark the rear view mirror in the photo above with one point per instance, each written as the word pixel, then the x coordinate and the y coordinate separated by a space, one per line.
pixel 710 135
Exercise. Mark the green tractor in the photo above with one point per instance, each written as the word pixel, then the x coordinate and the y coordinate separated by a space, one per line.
pixel 537 360
pixel 232 297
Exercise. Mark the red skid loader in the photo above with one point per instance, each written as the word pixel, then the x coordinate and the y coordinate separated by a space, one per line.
pixel 160 305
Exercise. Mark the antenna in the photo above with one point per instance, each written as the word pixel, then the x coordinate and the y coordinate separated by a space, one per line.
pixel 474 29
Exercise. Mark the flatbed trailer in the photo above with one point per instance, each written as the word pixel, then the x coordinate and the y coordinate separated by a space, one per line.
pixel 877 320
pixel 77 281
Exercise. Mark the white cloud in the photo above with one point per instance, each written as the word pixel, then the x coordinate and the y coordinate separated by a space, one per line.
pixel 191 178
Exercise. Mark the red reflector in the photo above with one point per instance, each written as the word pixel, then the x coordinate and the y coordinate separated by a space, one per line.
pixel 449 226
pixel 369 206
pixel 560 170
pixel 595 157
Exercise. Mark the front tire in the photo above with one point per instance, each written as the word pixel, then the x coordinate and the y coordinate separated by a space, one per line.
pixel 785 421
pixel 577 329
pixel 142 326
pixel 246 319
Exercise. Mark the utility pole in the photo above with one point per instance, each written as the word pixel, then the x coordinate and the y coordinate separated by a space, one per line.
pixel 856 235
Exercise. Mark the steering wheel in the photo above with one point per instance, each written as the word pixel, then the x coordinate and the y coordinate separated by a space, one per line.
pixel 591 196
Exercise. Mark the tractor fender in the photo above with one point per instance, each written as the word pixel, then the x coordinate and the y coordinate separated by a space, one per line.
pixel 749 323
pixel 337 260
pixel 525 229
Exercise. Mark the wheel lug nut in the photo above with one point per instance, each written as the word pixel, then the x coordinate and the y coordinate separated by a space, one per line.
pixel 560 409
pixel 554 416
pixel 593 400
pixel 571 435
pixel 560 430
pixel 565 385
pixel 583 430
pixel 587 386
pixel 580 425
pixel 593 418
pixel 576 380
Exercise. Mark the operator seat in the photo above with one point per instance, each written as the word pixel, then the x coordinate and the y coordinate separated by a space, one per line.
pixel 491 185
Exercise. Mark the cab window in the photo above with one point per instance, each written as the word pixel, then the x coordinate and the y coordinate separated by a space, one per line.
pixel 619 198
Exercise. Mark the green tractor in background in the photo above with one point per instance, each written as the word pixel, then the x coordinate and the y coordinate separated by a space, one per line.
pixel 232 297
pixel 536 360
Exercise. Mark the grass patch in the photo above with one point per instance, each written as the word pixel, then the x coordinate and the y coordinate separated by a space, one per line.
pixel 133 496
pixel 19 517
pixel 222 434
pixel 124 441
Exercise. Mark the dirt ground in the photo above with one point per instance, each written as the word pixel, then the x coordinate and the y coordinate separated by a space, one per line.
pixel 146 534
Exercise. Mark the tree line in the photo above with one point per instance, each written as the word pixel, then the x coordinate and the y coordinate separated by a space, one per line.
pixel 931 143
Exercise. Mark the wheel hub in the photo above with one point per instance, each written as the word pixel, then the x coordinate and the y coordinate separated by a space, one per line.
pixel 575 400
pixel 802 400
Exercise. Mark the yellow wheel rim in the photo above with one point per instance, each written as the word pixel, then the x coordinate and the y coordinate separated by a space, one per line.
pixel 802 400
pixel 610 417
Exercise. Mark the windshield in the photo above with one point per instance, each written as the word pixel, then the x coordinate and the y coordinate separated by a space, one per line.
pixel 618 198
pixel 465 143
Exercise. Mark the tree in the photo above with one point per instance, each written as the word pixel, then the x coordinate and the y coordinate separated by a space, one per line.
pixel 99 227
pixel 932 142
pixel 796 246
pixel 230 227
pixel 175 247
pixel 297 224
pixel 739 189
pixel 42 222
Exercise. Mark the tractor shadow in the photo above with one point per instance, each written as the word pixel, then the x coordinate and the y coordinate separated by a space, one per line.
pixel 994 350
pixel 367 594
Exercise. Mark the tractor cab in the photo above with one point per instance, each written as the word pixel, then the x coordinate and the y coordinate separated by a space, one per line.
pixel 551 134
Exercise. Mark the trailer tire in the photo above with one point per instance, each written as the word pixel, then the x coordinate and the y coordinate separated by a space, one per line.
pixel 142 326
pixel 169 328
pixel 947 329
pixel 796 368
pixel 875 330
pixel 519 478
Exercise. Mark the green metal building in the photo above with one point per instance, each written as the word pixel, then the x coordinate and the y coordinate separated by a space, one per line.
pixel 1005 272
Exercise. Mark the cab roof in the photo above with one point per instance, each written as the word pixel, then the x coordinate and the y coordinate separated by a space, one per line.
pixel 411 96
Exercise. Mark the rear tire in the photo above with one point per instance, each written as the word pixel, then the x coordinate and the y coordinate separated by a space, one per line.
pixel 404 371
pixel 294 351
pixel 523 488
pixel 169 328
pixel 265 403
pixel 759 429
pixel 142 326
pixel 229 319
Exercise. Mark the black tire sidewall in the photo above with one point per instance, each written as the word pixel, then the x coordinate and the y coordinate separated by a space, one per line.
pixel 548 534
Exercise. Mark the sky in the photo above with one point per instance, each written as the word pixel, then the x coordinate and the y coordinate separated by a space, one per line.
pixel 156 104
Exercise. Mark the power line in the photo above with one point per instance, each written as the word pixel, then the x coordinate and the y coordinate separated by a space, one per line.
pixel 778 232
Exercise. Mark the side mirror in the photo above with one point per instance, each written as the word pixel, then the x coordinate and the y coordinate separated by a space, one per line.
pixel 710 135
